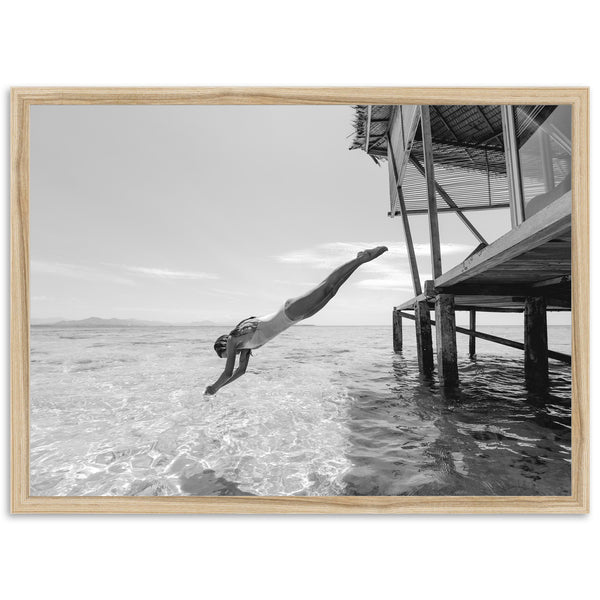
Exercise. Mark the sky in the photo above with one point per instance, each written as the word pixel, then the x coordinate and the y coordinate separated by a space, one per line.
pixel 191 213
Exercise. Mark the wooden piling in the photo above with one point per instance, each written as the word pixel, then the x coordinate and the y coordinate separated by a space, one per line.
pixel 472 327
pixel 397 320
pixel 446 340
pixel 424 339
pixel 536 340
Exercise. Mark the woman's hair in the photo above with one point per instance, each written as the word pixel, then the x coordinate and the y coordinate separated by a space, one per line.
pixel 221 345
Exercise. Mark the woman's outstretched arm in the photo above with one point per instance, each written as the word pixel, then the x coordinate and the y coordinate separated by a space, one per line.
pixel 228 371
pixel 228 375
pixel 244 359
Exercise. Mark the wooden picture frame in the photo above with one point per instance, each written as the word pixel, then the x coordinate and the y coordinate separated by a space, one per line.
pixel 21 101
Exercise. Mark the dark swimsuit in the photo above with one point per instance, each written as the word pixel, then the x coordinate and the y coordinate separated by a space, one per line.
pixel 248 325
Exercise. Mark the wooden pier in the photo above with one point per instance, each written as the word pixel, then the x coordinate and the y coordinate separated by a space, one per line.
pixel 460 158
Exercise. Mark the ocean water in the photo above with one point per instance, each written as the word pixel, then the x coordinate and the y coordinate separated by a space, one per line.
pixel 321 411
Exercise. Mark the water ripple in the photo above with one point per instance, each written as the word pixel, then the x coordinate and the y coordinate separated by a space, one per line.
pixel 322 411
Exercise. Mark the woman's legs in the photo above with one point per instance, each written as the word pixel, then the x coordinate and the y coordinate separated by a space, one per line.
pixel 312 302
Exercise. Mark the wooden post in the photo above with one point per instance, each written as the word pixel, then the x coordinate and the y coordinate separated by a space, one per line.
pixel 446 340
pixel 472 327
pixel 397 320
pixel 547 167
pixel 536 340
pixel 424 339
pixel 410 248
pixel 412 258
pixel 513 166
pixel 434 228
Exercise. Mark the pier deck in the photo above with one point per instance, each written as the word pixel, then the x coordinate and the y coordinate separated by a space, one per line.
pixel 533 259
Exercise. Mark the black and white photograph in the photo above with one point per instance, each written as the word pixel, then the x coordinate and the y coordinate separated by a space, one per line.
pixel 300 300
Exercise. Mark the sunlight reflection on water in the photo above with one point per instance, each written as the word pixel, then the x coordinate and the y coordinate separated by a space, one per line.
pixel 322 411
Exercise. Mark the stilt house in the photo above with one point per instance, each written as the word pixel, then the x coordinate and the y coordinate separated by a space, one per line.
pixel 463 158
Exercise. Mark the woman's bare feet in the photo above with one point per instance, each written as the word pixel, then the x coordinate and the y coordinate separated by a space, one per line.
pixel 372 253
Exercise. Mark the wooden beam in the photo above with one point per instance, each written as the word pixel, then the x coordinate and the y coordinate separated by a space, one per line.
pixel 452 133
pixel 551 222
pixel 476 250
pixel 547 166
pixel 562 280
pixel 423 211
pixel 412 258
pixel 513 165
pixel 368 127
pixel 447 361
pixel 490 309
pixel 487 121
pixel 448 200
pixel 566 358
pixel 472 327
pixel 410 304
pixel 536 341
pixel 495 289
pixel 434 228
pixel 397 333
pixel 424 340
pixel 488 140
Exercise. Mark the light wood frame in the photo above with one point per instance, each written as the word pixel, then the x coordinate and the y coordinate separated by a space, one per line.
pixel 21 101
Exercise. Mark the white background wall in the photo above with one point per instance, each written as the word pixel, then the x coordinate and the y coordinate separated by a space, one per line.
pixel 300 43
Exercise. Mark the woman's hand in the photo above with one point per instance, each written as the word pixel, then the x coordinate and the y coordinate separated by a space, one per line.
pixel 210 390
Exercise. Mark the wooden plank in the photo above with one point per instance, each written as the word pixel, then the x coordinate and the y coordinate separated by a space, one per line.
pixel 536 341
pixel 491 309
pixel 20 300
pixel 238 95
pixel 580 317
pixel 560 356
pixel 472 327
pixel 496 289
pixel 447 361
pixel 552 221
pixel 397 330
pixel 424 340
pixel 515 308
pixel 410 304
pixel 434 228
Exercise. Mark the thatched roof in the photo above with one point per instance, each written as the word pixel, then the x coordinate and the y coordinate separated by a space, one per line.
pixel 462 134
pixel 378 125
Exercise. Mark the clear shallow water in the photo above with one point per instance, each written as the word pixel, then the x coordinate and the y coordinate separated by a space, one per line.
pixel 321 411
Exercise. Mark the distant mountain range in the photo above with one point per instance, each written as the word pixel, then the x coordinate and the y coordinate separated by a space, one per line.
pixel 99 322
